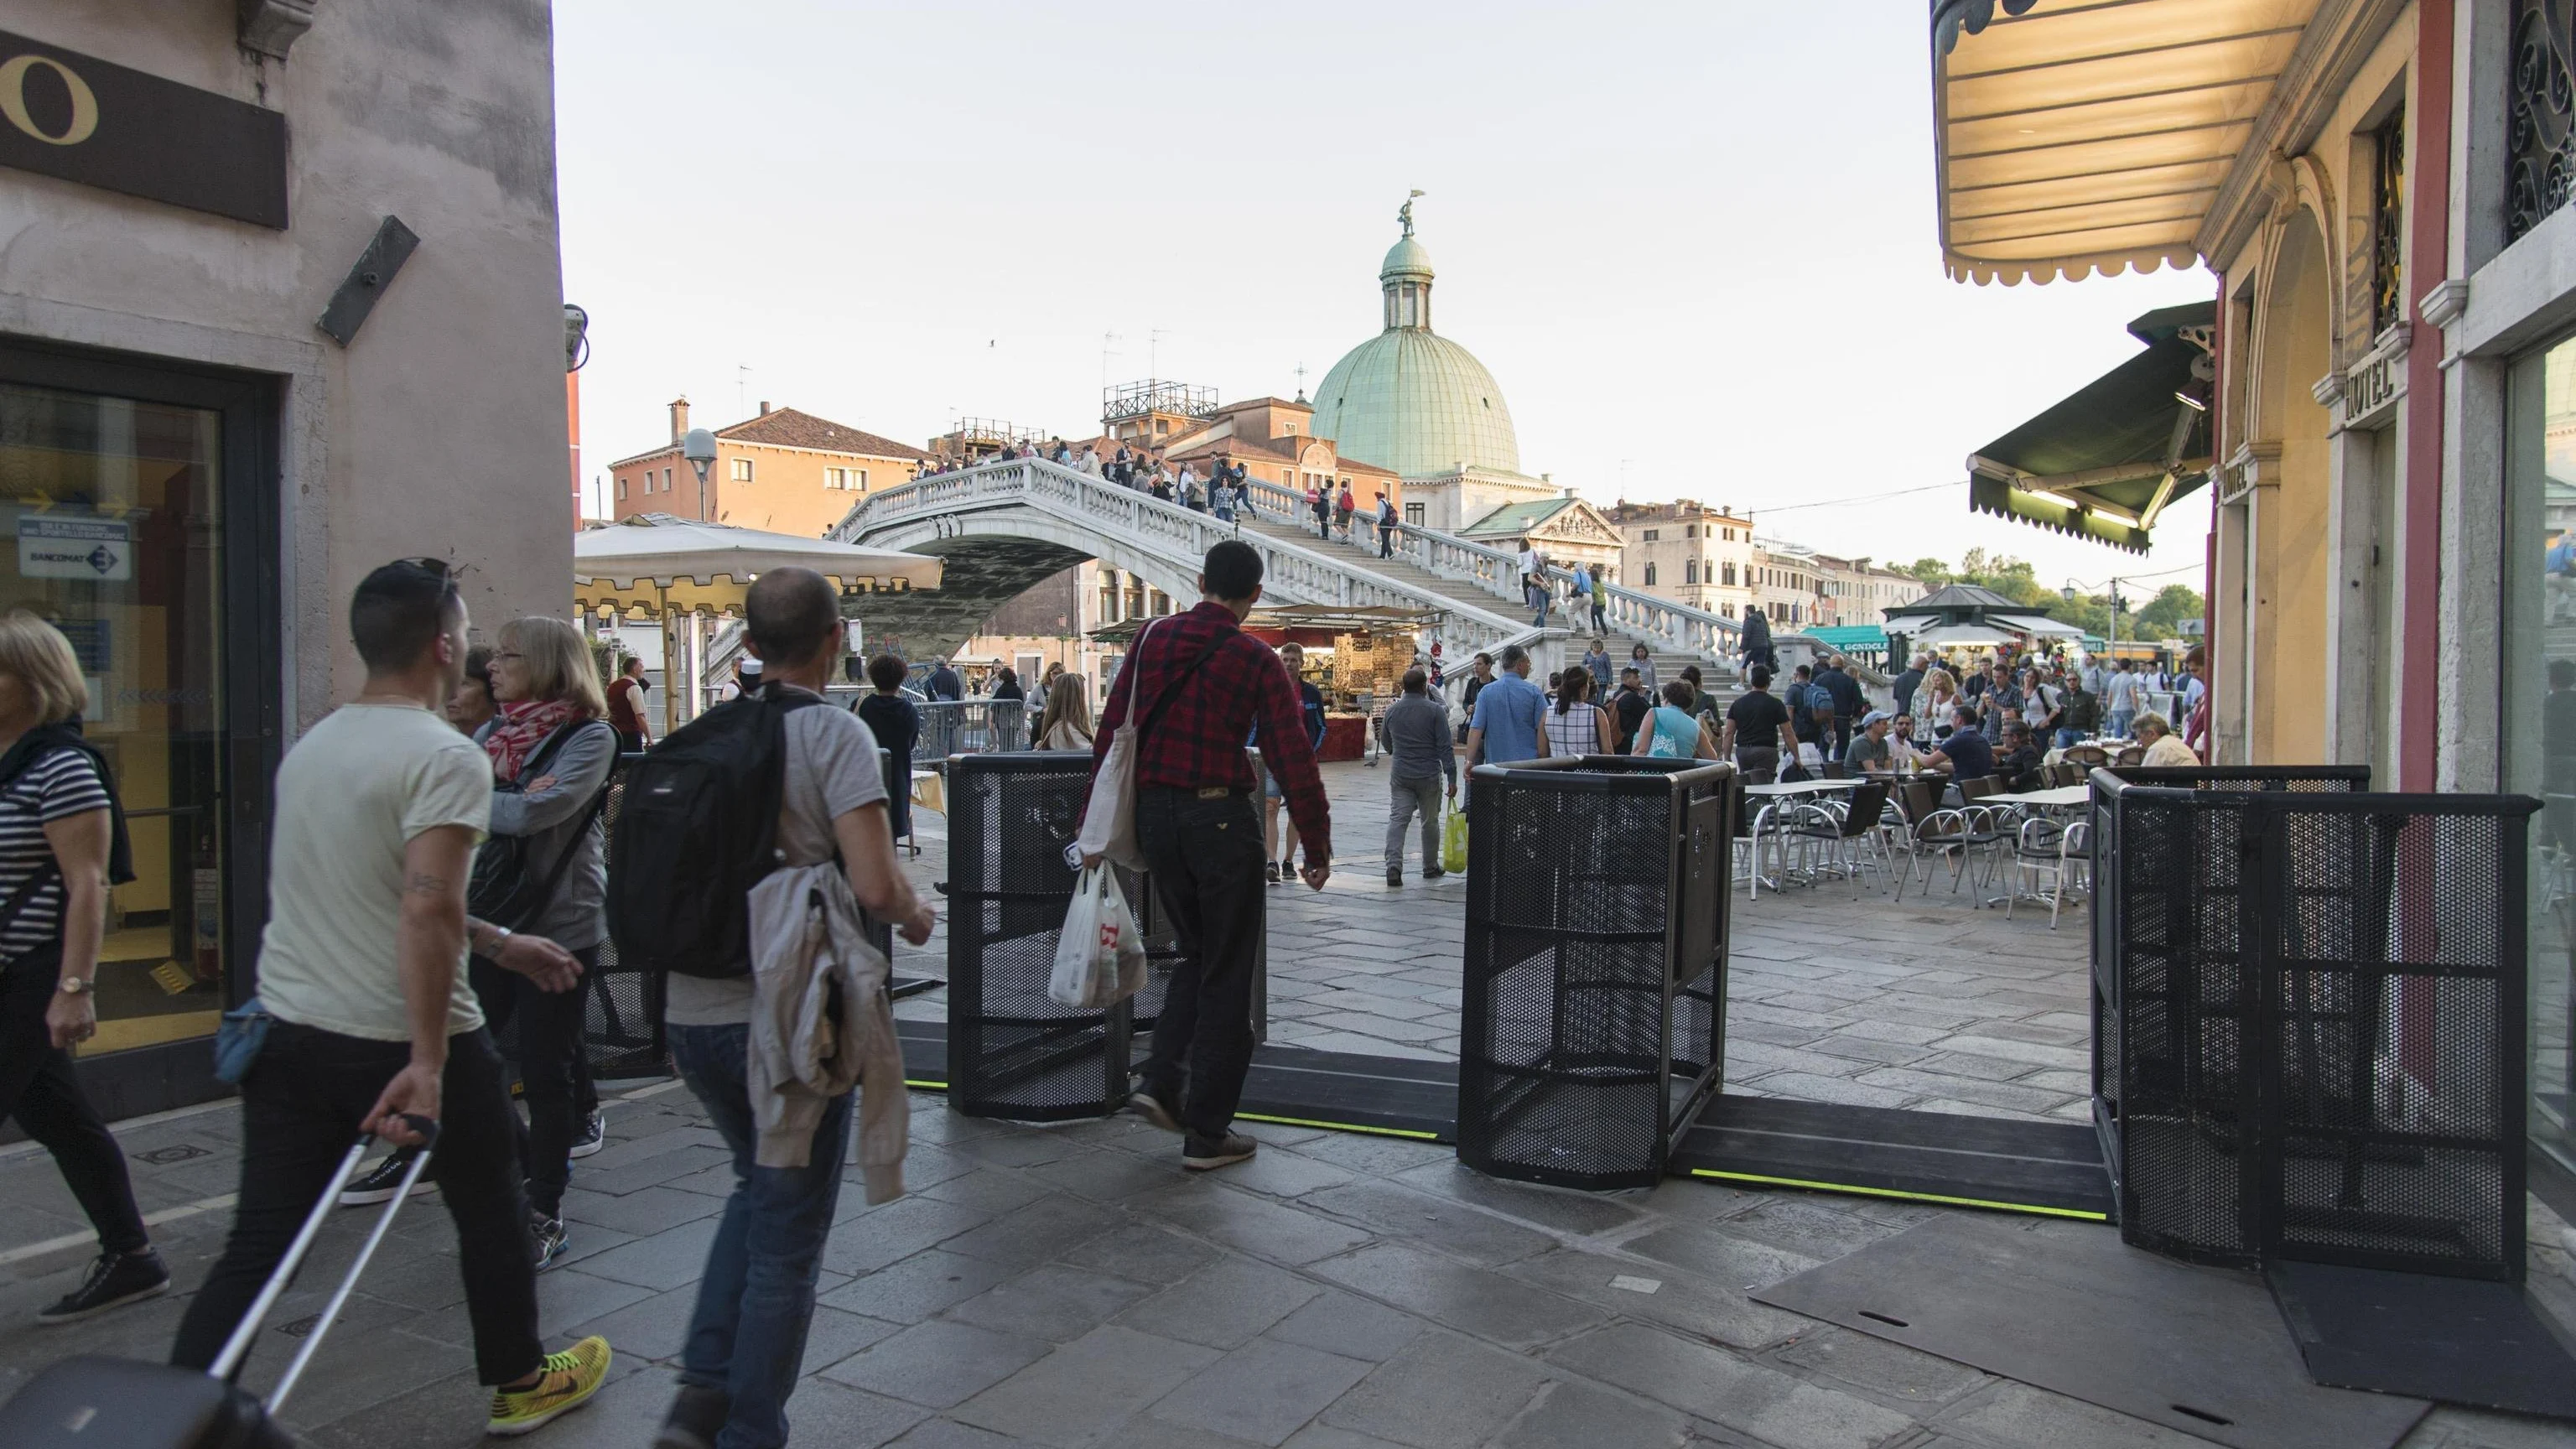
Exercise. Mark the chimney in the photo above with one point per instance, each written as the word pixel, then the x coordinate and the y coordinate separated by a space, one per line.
pixel 679 417
pixel 764 407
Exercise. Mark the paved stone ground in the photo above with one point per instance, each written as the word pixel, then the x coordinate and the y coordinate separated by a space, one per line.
pixel 1837 993
pixel 1070 1287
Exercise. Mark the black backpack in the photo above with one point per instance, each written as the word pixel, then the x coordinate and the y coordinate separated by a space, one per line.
pixel 697 829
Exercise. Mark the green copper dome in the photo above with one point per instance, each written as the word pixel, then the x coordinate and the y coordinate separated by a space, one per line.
pixel 1408 398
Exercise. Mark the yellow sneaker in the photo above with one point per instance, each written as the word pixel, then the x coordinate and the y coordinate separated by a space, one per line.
pixel 565 1382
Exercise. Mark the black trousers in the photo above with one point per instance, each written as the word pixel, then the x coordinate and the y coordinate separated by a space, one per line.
pixel 38 1088
pixel 554 1070
pixel 1206 857
pixel 301 1106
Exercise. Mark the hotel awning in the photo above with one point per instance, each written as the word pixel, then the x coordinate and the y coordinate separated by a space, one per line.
pixel 2105 461
pixel 2074 136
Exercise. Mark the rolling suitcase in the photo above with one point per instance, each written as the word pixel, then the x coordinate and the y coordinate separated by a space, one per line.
pixel 93 1402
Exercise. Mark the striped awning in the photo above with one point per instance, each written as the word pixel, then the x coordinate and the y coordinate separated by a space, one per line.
pixel 2075 136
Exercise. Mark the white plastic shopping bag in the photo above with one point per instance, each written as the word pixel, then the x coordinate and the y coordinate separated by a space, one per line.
pixel 1100 956
pixel 1109 823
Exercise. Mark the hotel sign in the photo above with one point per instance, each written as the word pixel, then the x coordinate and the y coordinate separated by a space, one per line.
pixel 68 115
pixel 2373 386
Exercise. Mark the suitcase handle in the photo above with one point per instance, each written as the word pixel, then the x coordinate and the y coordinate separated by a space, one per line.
pixel 237 1348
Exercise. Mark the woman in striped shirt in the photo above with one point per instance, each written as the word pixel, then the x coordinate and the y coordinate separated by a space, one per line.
pixel 61 841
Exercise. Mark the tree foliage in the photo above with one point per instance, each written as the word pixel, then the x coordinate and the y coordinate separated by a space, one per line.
pixel 2018 581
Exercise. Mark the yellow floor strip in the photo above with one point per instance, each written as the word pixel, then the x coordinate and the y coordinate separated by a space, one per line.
pixel 2008 1207
pixel 1340 1127
pixel 926 1086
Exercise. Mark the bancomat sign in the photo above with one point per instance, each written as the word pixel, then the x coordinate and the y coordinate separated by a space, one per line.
pixel 68 115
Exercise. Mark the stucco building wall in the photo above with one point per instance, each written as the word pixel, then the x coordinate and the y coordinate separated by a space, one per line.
pixel 440 429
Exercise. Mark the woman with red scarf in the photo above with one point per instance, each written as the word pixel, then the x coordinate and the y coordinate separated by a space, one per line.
pixel 552 750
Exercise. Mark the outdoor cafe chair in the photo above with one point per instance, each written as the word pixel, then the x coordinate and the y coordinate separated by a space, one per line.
pixel 2064 773
pixel 1932 831
pixel 2060 852
pixel 2085 757
pixel 2130 757
pixel 1850 831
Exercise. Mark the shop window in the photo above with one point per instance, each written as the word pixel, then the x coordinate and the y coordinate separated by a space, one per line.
pixel 124 555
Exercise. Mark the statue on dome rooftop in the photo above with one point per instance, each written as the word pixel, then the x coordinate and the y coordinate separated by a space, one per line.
pixel 1404 213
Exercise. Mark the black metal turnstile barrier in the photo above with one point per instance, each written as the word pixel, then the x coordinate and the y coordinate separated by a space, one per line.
pixel 1013 1052
pixel 1590 1030
pixel 2309 1018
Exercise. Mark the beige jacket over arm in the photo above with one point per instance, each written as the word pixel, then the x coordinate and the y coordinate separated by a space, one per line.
pixel 810 951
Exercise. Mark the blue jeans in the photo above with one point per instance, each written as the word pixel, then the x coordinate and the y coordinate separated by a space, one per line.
pixel 747 1337
pixel 2067 739
pixel 2120 722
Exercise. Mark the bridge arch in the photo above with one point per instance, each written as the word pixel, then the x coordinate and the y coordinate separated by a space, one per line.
pixel 998 554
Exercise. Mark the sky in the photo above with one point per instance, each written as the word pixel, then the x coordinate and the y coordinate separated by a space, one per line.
pixel 1695 244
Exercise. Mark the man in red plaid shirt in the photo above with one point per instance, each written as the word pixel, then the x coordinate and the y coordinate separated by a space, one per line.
pixel 1204 685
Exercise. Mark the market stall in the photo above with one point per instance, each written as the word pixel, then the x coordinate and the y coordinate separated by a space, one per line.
pixel 1356 655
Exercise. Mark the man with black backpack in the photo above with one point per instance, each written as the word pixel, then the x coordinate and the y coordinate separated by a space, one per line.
pixel 768 782
pixel 1204 686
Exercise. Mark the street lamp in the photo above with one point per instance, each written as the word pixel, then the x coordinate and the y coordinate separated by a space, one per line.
pixel 700 449
pixel 2069 593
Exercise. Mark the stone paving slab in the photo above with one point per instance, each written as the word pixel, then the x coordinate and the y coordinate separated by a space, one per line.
pixel 1070 1287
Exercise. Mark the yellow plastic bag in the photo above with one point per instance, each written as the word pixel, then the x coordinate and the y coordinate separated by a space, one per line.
pixel 1453 841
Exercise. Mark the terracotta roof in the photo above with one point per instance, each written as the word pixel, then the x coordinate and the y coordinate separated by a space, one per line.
pixel 1255 402
pixel 670 448
pixel 788 428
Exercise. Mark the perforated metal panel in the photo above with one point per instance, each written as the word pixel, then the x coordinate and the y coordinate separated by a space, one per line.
pixel 1012 1052
pixel 1595 959
pixel 2397 966
pixel 2309 1019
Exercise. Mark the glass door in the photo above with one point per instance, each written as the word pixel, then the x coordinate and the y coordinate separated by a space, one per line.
pixel 2539 686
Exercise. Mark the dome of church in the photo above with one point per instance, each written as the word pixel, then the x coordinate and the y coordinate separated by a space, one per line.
pixel 1408 398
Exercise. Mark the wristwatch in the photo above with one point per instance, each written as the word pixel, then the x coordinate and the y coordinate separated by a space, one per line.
pixel 500 938
pixel 71 986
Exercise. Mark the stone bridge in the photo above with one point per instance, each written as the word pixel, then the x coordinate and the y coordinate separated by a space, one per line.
pixel 1008 525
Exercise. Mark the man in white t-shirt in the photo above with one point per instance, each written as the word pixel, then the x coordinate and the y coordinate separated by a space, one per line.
pixel 745 1345
pixel 362 966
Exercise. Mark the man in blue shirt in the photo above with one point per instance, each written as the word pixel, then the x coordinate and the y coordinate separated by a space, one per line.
pixel 1965 754
pixel 1508 714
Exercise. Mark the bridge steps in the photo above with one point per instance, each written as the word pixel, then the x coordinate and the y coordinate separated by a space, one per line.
pixel 1719 677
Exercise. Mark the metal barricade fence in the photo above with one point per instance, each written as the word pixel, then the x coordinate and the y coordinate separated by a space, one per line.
pixel 1591 1028
pixel 971 727
pixel 2310 1019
